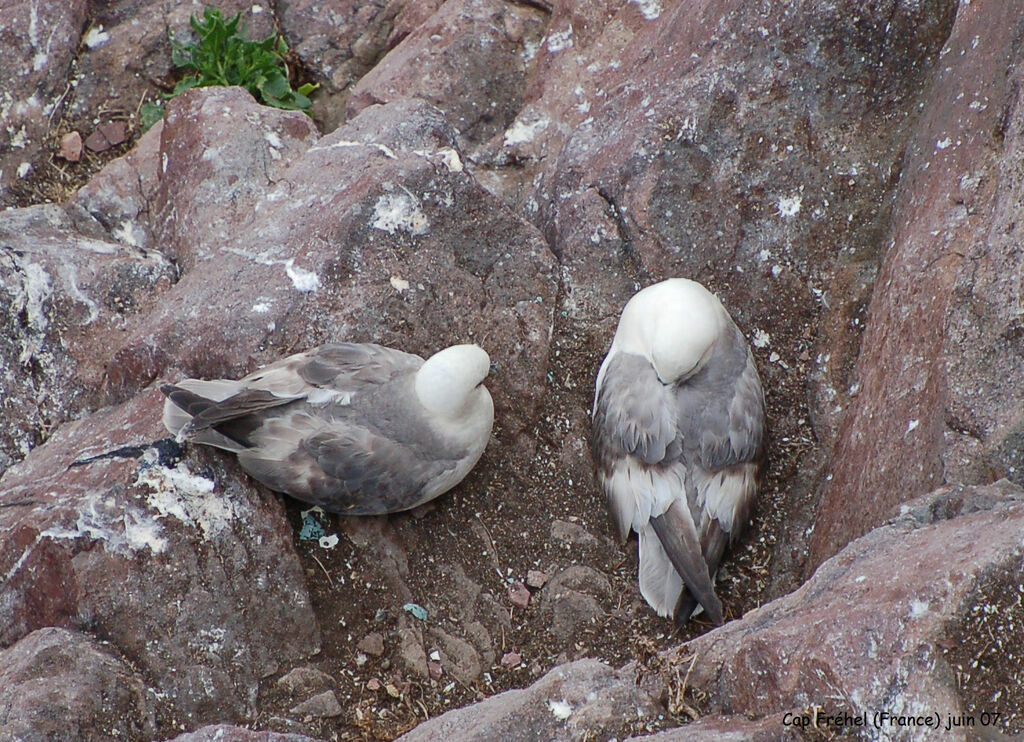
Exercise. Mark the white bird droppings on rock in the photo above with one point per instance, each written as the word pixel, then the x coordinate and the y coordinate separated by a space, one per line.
pixel 451 159
pixel 96 37
pixel 521 133
pixel 302 279
pixel 560 40
pixel 649 9
pixel 789 206
pixel 560 709
pixel 399 211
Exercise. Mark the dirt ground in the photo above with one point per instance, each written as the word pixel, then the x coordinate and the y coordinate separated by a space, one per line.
pixel 515 507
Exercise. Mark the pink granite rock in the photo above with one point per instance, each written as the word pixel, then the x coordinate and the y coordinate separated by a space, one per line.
pixel 187 569
pixel 938 397
pixel 469 59
pixel 57 684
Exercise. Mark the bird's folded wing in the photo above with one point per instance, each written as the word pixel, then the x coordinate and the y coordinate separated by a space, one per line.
pixel 633 432
pixel 349 366
pixel 349 470
pixel 721 412
pixel 632 414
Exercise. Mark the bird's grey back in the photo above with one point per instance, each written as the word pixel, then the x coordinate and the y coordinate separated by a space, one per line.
pixel 720 409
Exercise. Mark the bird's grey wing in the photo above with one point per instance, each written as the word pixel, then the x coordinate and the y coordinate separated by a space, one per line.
pixel 721 419
pixel 347 366
pixel 721 409
pixel 347 469
pixel 332 372
pixel 632 419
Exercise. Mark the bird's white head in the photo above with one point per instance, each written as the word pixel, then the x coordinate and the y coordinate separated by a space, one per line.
pixel 450 381
pixel 674 324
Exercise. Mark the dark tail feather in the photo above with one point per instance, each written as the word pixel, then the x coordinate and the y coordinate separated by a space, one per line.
pixel 684 551
pixel 713 547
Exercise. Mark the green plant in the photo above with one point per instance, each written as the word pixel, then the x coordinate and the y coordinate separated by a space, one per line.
pixel 149 114
pixel 224 57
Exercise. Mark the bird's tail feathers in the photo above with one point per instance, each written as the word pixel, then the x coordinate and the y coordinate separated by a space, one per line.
pixel 660 584
pixel 177 420
pixel 678 536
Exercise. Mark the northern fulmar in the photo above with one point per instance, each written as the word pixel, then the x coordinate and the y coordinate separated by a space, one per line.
pixel 357 429
pixel 678 432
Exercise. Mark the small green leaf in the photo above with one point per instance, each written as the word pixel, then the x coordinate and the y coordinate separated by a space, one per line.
pixel 149 114
pixel 186 84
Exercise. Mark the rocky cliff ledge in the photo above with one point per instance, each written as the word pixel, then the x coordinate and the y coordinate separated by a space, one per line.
pixel 845 175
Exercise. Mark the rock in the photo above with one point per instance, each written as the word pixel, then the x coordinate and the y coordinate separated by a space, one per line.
pixel 457 657
pixel 68 289
pixel 571 600
pixel 372 644
pixel 468 59
pixel 519 595
pixel 411 653
pixel 227 733
pixel 898 607
pixel 57 684
pixel 583 578
pixel 106 136
pixel 132 541
pixel 581 700
pixel 71 147
pixel 733 728
pixel 118 197
pixel 320 706
pixel 938 370
pixel 572 533
pixel 511 659
pixel 536 579
pixel 304 680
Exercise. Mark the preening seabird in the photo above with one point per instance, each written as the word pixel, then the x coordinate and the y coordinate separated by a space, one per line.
pixel 678 431
pixel 357 429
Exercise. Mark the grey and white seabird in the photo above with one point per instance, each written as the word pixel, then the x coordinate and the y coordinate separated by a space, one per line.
pixel 678 436
pixel 358 429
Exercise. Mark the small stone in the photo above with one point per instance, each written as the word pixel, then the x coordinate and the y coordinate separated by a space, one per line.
pixel 511 659
pixel 320 706
pixel 106 136
pixel 435 670
pixel 519 594
pixel 304 680
pixel 536 579
pixel 71 147
pixel 372 644
pixel 392 690
pixel 373 684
